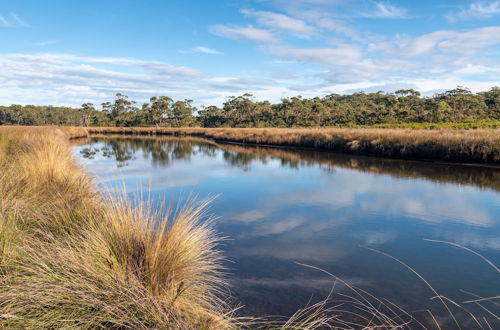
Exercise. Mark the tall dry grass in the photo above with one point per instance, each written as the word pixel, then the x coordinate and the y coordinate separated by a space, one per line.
pixel 68 259
pixel 479 145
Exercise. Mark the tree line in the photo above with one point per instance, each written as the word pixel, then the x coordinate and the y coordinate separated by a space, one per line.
pixel 403 106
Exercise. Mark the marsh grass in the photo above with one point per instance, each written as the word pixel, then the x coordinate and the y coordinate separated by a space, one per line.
pixel 448 125
pixel 457 145
pixel 69 258
pixel 73 258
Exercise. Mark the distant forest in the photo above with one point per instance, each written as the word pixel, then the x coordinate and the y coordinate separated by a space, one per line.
pixel 404 106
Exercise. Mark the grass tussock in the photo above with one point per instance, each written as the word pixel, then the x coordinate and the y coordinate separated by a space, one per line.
pixel 68 259
pixel 458 145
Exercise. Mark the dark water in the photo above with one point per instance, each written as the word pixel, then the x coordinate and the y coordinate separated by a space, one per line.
pixel 281 206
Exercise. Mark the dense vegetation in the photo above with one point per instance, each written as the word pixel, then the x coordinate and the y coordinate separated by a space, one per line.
pixel 404 106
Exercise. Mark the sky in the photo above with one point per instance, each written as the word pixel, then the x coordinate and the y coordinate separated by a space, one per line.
pixel 64 52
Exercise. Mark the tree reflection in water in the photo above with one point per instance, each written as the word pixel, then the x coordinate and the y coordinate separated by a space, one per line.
pixel 162 151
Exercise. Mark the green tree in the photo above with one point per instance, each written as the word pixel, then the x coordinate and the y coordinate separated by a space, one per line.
pixel 160 110
pixel 182 112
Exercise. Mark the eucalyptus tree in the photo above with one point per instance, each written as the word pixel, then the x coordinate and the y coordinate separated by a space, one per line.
pixel 182 113
pixel 159 110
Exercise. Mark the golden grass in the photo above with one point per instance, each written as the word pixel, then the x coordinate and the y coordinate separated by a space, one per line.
pixel 479 145
pixel 70 260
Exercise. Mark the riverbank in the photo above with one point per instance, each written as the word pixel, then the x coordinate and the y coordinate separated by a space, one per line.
pixel 465 146
pixel 486 176
pixel 70 257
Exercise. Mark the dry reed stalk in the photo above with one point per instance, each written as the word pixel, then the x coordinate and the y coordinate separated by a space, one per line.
pixel 480 145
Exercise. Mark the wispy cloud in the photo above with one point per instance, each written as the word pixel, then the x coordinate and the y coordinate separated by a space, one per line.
pixel 280 22
pixel 4 22
pixel 12 20
pixel 467 42
pixel 71 79
pixel 205 50
pixel 476 10
pixel 244 33
pixel 428 60
pixel 18 21
pixel 66 79
pixel 201 49
pixel 386 10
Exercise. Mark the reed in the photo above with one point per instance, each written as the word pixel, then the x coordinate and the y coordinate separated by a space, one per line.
pixel 469 146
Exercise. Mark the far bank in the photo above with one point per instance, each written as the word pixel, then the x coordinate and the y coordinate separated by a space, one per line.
pixel 449 145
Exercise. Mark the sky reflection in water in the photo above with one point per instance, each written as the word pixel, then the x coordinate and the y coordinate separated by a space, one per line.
pixel 280 206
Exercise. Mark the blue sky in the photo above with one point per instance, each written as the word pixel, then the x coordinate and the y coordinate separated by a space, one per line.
pixel 70 52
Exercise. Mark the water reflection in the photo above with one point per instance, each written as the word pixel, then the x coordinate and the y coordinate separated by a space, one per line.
pixel 163 150
pixel 281 206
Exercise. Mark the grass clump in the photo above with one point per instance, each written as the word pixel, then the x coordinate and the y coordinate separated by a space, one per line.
pixel 69 259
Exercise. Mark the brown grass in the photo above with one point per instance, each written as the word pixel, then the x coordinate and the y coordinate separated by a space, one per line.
pixel 67 259
pixel 481 145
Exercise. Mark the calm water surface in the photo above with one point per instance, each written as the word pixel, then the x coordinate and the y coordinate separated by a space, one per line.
pixel 281 206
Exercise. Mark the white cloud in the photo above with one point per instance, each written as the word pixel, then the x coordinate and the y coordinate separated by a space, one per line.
pixel 337 26
pixel 473 69
pixel 231 84
pixel 12 20
pixel 443 41
pixel 66 79
pixel 248 33
pixel 476 10
pixel 321 19
pixel 201 49
pixel 3 21
pixel 280 22
pixel 18 21
pixel 162 69
pixel 206 50
pixel 386 10
pixel 338 59
pixel 433 61
pixel 325 57
pixel 72 61
pixel 69 79
pixel 346 63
